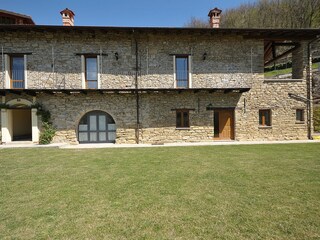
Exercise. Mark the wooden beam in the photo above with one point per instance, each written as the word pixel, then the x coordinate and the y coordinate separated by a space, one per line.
pixel 286 44
pixel 14 92
pixel 281 55
pixel 48 92
pixel 31 93
pixel 274 53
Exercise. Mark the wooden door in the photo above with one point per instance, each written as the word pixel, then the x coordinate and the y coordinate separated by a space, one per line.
pixel 224 124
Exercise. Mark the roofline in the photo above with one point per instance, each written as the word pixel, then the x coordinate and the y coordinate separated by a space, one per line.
pixel 261 33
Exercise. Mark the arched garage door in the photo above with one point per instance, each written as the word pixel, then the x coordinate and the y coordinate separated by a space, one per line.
pixel 97 127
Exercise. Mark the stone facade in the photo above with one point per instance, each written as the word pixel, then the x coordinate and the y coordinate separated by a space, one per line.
pixel 55 59
pixel 54 62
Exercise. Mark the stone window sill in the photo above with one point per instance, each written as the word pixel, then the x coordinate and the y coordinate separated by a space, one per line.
pixel 300 122
pixel 183 128
pixel 265 127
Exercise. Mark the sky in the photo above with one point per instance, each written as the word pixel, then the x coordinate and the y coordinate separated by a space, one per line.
pixel 133 13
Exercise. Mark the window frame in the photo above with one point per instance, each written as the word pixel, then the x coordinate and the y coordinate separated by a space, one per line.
pixel 189 75
pixel 302 120
pixel 85 71
pixel 10 71
pixel 181 124
pixel 109 120
pixel 263 122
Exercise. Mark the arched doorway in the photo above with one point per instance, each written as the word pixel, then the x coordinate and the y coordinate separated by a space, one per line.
pixel 97 127
pixel 19 122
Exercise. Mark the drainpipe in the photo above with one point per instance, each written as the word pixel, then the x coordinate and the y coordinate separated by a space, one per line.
pixel 137 93
pixel 3 70
pixel 309 88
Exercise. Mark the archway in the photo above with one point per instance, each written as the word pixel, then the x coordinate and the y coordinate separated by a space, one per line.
pixel 97 127
pixel 19 122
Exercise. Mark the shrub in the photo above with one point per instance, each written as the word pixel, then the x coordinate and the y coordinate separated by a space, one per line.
pixel 47 133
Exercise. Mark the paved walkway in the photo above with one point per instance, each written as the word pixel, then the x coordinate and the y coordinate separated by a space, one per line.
pixel 110 145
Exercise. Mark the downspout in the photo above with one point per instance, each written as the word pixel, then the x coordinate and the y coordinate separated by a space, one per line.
pixel 137 93
pixel 309 89
pixel 3 70
pixel 53 68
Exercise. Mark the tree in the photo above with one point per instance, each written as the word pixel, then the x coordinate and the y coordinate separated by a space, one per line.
pixel 274 14
pixel 197 23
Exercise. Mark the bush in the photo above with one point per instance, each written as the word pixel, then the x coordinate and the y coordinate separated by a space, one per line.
pixel 316 118
pixel 47 133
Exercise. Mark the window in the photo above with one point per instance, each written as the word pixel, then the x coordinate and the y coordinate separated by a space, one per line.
pixel 182 119
pixel 91 72
pixel 265 117
pixel 300 115
pixel 97 127
pixel 17 72
pixel 182 71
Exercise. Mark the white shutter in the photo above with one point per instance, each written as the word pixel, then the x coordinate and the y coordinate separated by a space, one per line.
pixel 7 71
pixel 190 70
pixel 99 71
pixel 83 72
pixel 174 72
pixel 25 72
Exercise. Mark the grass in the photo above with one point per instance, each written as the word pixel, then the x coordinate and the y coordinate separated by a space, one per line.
pixel 216 192
pixel 275 73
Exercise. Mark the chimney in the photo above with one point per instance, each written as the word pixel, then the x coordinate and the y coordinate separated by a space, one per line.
pixel 214 15
pixel 67 17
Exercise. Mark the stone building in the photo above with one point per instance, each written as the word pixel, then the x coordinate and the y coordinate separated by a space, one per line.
pixel 153 85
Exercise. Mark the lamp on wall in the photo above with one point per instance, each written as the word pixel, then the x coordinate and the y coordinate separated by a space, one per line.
pixel 209 106
pixel 204 56
pixel 116 54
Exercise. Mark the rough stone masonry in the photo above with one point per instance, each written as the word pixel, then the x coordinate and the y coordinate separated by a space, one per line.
pixel 54 61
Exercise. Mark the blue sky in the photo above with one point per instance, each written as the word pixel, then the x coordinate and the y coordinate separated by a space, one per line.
pixel 162 13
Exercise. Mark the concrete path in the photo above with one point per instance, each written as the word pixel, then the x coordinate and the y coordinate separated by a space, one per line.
pixel 110 145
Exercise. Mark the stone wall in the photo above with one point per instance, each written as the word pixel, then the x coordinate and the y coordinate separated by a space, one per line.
pixel 55 59
pixel 273 95
pixel 158 118
pixel 231 62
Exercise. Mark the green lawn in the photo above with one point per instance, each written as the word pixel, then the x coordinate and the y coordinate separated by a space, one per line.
pixel 213 192
pixel 275 73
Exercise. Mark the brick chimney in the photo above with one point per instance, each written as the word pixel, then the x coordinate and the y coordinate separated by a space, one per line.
pixel 215 15
pixel 67 17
